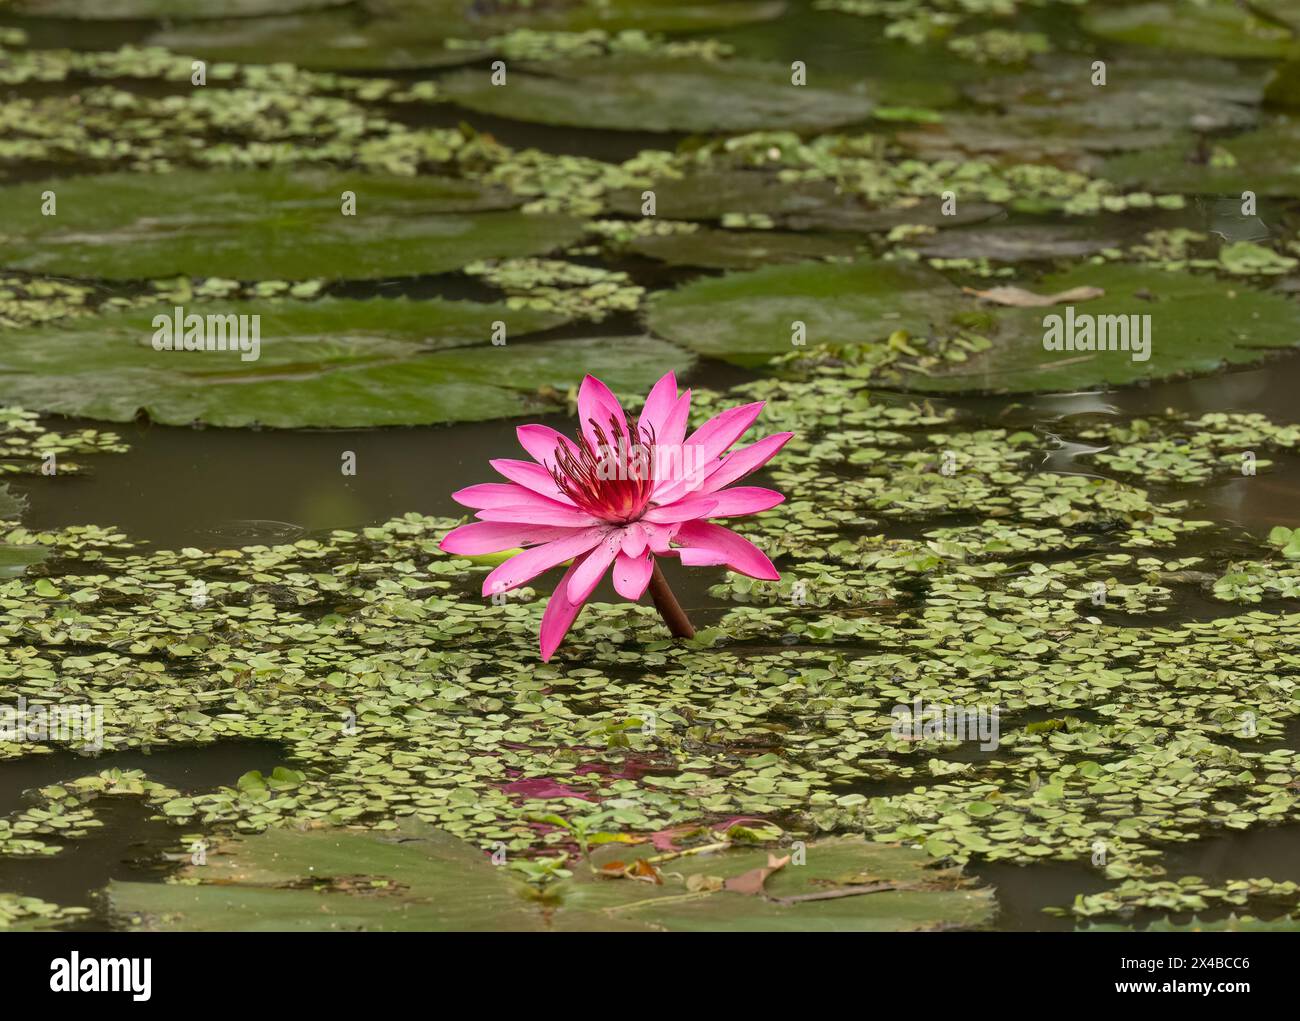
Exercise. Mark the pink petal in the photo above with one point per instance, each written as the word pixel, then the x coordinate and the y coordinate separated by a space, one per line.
pixel 708 443
pixel 531 476
pixel 675 422
pixel 560 613
pixel 490 495
pixel 736 552
pixel 659 537
pixel 632 575
pixel 742 462
pixel 635 540
pixel 541 440
pixel 480 537
pixel 596 402
pixel 587 577
pixel 693 557
pixel 668 445
pixel 659 403
pixel 531 562
pixel 531 514
pixel 682 510
pixel 732 503
pixel 723 429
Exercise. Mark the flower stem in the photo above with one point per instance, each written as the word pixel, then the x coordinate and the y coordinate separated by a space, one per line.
pixel 666 603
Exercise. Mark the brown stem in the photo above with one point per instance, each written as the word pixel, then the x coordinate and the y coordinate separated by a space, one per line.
pixel 667 605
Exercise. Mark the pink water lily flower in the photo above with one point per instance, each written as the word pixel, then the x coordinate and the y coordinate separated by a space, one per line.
pixel 620 496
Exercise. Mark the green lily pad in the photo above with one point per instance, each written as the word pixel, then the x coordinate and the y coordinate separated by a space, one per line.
pixel 800 206
pixel 1232 923
pixel 746 318
pixel 1263 162
pixel 1283 87
pixel 656 93
pixel 394 34
pixel 846 884
pixel 620 15
pixel 1017 244
pixel 288 880
pixel 1220 27
pixel 112 10
pixel 333 363
pixel 1057 112
pixel 1198 323
pixel 10 506
pixel 253 225
pixel 729 249
pixel 14 560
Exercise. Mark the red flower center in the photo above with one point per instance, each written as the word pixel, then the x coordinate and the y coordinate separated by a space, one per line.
pixel 613 481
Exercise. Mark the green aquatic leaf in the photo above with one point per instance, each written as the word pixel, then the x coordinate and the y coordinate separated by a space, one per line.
pixel 1197 324
pixel 1263 162
pixel 747 318
pixel 1232 923
pixel 14 559
pixel 262 225
pixel 654 93
pixel 1283 87
pixel 30 914
pixel 288 881
pixel 1223 28
pixel 845 884
pixel 393 34
pixel 730 249
pixel 423 879
pixel 339 363
pixel 816 205
pixel 110 10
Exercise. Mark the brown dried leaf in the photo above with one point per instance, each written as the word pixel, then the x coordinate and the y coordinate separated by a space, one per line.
pixel 1018 297
pixel 751 882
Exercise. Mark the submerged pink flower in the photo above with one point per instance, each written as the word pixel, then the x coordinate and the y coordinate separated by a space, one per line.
pixel 618 496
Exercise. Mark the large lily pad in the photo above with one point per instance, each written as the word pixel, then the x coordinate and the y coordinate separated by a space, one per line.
pixel 845 884
pixel 730 249
pixel 746 317
pixel 112 10
pixel 1019 243
pixel 413 33
pixel 336 363
pixel 1198 323
pixel 266 224
pixel 654 93
pixel 1263 162
pixel 286 880
pixel 1224 28
pixel 796 205
pixel 1056 112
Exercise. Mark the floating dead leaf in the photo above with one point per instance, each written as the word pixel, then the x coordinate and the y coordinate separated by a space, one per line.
pixel 751 882
pixel 644 871
pixel 1018 297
